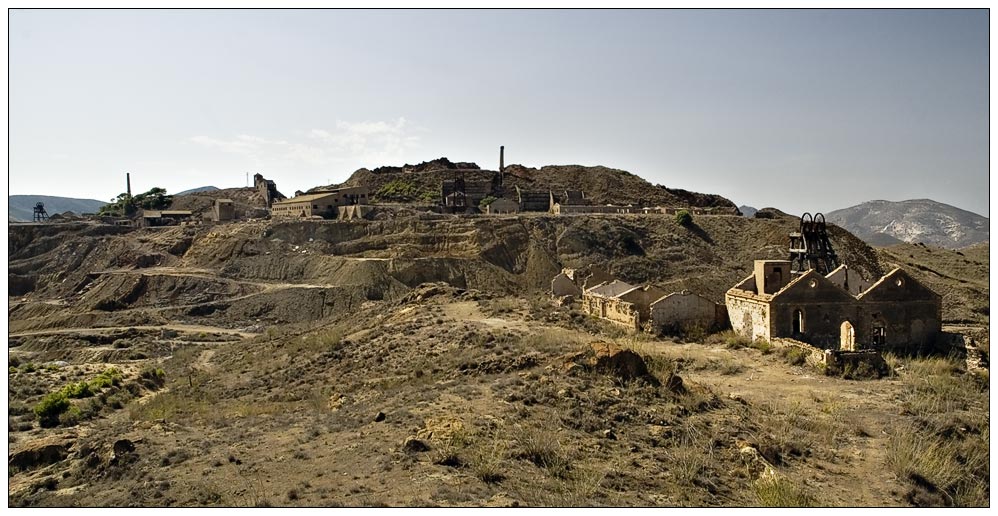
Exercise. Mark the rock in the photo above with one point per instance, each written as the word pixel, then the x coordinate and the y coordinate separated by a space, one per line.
pixel 379 417
pixel 605 357
pixel 414 445
pixel 675 384
pixel 608 434
pixel 40 453
pixel 737 397
pixel 121 448
pixel 441 429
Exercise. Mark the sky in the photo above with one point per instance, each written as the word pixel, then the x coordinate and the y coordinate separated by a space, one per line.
pixel 799 110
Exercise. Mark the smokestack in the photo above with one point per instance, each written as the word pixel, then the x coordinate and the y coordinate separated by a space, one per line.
pixel 128 184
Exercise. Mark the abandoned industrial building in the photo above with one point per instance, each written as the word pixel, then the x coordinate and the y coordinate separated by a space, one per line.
pixel 267 189
pixel 324 204
pixel 895 313
pixel 636 307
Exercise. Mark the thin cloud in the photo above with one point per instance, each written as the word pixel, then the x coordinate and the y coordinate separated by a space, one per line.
pixel 347 142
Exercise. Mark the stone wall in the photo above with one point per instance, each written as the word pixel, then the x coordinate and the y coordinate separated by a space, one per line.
pixel 614 310
pixel 816 357
pixel 749 317
pixel 683 309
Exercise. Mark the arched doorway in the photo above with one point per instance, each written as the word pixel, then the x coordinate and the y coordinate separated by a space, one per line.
pixel 847 337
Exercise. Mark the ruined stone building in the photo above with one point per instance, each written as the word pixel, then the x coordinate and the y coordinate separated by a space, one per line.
pixel 460 196
pixel 267 189
pixel 533 200
pixel 502 207
pixel 621 303
pixel 685 310
pixel 574 209
pixel 636 307
pixel 839 311
pixel 152 218
pixel 572 282
pixel 223 210
pixel 326 204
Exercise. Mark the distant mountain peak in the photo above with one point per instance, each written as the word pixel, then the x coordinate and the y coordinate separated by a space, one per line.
pixel 881 222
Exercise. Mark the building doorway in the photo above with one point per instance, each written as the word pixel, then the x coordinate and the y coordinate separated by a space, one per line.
pixel 879 336
pixel 847 337
pixel 798 328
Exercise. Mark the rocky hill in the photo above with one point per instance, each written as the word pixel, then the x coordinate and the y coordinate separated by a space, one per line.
pixel 601 185
pixel 913 221
pixel 247 201
pixel 198 189
pixel 21 207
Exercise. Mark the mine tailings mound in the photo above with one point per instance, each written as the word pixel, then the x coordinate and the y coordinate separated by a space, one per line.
pixel 383 259
pixel 601 185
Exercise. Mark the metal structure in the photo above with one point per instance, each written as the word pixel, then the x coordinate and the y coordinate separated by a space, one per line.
pixel 810 247
pixel 39 213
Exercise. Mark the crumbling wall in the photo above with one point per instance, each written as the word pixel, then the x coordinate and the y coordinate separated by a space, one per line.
pixel 683 309
pixel 613 310
pixel 749 317
pixel 814 356
pixel 562 285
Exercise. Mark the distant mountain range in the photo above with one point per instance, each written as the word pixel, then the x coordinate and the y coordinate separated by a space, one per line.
pixel 883 223
pixel 22 207
pixel 747 211
pixel 198 190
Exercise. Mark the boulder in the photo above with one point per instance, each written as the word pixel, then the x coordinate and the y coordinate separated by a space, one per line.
pixel 40 453
pixel 607 358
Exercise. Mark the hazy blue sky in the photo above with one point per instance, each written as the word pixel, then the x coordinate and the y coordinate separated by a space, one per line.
pixel 802 110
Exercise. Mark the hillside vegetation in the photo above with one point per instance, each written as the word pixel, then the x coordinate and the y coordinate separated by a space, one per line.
pixel 418 361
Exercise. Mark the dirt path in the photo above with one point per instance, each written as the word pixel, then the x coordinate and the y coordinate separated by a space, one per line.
pixel 469 311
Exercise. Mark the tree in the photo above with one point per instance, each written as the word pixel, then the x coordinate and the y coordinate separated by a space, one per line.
pixel 683 218
pixel 155 199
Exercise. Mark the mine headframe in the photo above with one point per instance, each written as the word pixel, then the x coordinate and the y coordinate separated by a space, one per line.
pixel 39 213
pixel 810 247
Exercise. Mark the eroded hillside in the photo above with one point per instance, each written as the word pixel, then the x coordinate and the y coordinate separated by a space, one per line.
pixel 418 361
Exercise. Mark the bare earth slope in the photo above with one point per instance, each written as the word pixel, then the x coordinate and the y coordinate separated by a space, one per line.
pixel 418 361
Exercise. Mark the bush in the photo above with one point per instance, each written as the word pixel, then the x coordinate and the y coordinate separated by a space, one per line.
pixel 50 408
pixel 683 218
pixel 153 378
pixel 794 356
pixel 401 190
pixel 781 492
pixel 110 376
pixel 78 390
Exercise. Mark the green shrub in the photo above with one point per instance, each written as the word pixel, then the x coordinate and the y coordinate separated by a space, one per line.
pixel 401 190
pixel 110 376
pixel 484 203
pixel 50 408
pixel 78 390
pixel 683 218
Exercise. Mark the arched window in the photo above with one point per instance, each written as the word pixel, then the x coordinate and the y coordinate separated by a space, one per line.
pixel 799 327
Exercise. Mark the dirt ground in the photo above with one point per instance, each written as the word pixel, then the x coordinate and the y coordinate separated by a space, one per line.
pixel 345 365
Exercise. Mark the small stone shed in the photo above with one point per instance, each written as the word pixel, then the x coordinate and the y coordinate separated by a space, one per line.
pixel 223 210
